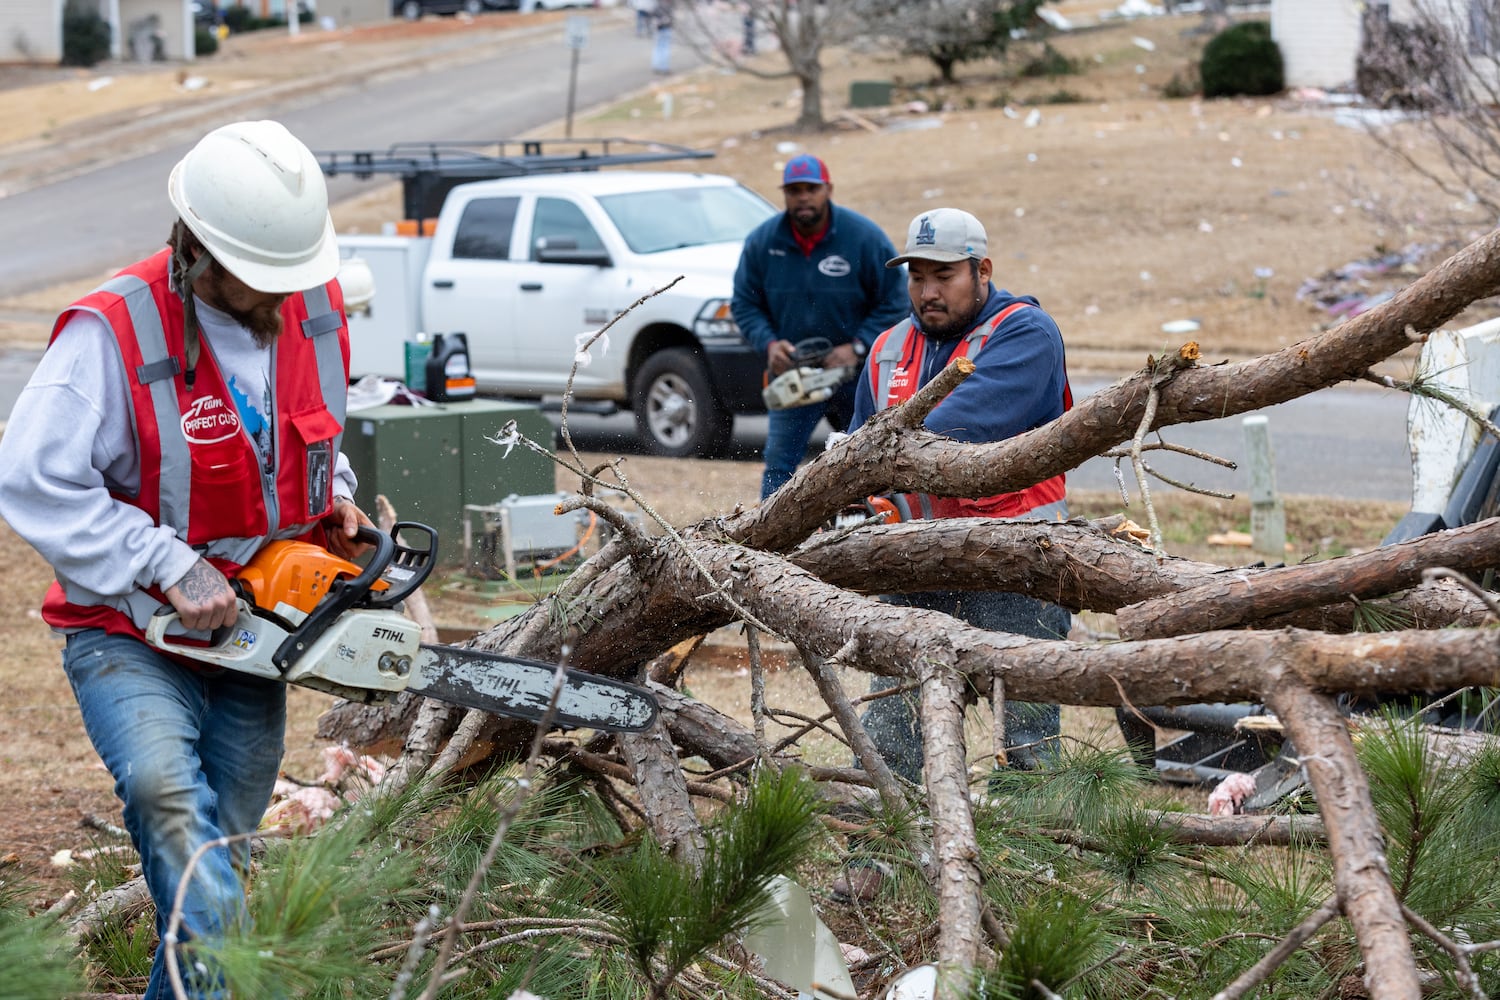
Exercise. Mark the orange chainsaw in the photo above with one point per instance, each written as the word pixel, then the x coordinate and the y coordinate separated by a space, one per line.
pixel 310 618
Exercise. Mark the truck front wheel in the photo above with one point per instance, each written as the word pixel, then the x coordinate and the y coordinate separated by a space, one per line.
pixel 676 413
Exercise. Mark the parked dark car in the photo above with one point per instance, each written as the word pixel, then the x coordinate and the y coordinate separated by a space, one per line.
pixel 413 9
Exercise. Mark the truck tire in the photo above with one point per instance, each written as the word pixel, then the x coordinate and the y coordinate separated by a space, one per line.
pixel 411 10
pixel 676 413
pixel 473 6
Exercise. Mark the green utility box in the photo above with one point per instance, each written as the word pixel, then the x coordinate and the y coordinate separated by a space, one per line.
pixel 429 461
pixel 870 94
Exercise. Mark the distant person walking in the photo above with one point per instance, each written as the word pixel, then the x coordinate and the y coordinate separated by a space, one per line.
pixel 661 53
pixel 645 13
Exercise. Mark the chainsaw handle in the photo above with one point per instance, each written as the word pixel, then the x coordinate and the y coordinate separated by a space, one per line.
pixel 343 594
pixel 405 568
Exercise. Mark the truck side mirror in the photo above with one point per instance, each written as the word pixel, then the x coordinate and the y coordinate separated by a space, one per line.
pixel 564 250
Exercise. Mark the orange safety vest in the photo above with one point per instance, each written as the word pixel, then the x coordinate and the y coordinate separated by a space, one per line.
pixel 893 382
pixel 199 470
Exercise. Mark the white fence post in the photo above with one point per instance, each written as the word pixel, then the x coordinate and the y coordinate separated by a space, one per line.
pixel 1267 516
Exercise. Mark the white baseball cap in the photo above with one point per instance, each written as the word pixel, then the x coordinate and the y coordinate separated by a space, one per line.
pixel 943 234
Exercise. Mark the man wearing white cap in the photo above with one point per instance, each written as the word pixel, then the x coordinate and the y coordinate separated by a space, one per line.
pixel 186 413
pixel 1019 382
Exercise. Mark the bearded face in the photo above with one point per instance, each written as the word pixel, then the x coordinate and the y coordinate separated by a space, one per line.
pixel 258 312
pixel 947 296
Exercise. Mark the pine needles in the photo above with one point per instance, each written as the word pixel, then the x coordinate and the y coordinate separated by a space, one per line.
pixel 668 914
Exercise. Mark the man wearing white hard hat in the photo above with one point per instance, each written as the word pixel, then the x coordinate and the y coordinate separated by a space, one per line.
pixel 1019 382
pixel 185 413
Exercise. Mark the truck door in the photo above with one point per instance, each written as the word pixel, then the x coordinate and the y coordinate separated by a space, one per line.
pixel 471 291
pixel 562 297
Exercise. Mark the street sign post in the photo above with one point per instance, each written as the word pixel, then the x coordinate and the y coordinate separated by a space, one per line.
pixel 578 37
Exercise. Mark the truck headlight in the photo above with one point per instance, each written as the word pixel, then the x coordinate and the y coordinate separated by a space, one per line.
pixel 715 324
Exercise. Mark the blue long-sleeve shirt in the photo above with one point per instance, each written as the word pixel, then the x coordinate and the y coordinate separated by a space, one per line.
pixel 1018 382
pixel 843 291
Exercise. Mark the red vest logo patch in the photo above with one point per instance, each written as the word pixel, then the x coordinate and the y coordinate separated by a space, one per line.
pixel 209 420
pixel 897 392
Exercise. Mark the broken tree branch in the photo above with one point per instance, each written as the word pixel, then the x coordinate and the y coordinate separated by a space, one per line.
pixel 1359 865
pixel 1241 597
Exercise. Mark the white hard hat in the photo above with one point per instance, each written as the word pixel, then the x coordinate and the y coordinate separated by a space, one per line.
pixel 254 196
pixel 358 283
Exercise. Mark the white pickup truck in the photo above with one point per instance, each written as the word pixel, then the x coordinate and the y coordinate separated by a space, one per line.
pixel 526 265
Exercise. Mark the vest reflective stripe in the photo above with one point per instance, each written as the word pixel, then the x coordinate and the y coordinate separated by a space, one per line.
pixel 174 488
pixel 892 346
pixel 323 319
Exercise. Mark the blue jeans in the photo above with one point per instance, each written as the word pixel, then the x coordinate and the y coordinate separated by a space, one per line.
pixel 661 52
pixel 194 758
pixel 788 431
pixel 895 723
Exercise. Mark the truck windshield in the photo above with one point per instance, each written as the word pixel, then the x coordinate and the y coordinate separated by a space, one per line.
pixel 668 219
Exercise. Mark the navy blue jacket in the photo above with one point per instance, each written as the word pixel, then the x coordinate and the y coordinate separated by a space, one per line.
pixel 842 292
pixel 1018 382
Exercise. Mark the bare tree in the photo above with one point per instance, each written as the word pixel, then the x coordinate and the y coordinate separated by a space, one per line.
pixel 803 31
pixel 949 32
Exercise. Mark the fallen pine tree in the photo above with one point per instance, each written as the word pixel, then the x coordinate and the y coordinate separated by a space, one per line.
pixel 1189 633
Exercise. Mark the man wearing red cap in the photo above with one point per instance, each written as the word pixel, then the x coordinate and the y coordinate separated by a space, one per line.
pixel 815 271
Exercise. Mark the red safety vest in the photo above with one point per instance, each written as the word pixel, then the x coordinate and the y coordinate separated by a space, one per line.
pixel 901 384
pixel 199 470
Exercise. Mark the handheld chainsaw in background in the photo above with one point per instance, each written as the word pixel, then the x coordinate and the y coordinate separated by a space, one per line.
pixel 807 382
pixel 310 618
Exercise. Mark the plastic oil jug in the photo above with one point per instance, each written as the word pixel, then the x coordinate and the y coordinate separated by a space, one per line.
pixel 448 377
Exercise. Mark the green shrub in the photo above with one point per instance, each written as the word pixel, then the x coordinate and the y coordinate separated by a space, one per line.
pixel 1242 60
pixel 85 35
pixel 238 19
pixel 205 42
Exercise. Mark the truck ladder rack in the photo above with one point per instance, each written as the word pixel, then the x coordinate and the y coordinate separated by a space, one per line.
pixel 429 170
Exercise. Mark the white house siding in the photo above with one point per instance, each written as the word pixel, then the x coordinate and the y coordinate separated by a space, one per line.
pixel 31 31
pixel 1319 40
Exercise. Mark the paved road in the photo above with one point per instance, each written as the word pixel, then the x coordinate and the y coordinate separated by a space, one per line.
pixel 86 224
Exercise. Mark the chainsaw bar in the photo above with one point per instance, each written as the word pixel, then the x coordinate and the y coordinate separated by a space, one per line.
pixel 522 689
